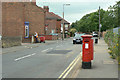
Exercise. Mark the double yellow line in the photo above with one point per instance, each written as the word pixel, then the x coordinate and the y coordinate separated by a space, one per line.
pixel 69 68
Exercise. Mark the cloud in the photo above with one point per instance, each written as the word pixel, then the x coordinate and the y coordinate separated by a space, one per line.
pixel 77 8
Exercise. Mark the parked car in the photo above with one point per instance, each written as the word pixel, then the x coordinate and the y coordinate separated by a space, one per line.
pixel 95 34
pixel 77 39
pixel 53 34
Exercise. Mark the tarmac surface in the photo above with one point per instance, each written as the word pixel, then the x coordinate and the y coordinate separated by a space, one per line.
pixel 40 60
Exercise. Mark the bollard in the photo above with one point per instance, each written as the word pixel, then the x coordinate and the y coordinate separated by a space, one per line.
pixel 0 37
pixel 96 40
pixel 32 39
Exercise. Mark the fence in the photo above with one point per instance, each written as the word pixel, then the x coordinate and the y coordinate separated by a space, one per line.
pixel 116 30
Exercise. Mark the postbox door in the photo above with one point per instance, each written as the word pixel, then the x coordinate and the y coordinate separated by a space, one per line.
pixel 86 52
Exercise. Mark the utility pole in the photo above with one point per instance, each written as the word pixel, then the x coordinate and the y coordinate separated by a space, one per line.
pixel 99 22
pixel 63 23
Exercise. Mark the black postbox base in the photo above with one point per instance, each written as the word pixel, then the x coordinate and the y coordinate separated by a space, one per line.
pixel 86 65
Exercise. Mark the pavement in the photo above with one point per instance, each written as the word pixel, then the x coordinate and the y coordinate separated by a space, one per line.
pixel 27 46
pixel 102 65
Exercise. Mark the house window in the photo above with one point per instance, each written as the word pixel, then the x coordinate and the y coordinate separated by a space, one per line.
pixel 66 27
pixel 53 31
pixel 61 27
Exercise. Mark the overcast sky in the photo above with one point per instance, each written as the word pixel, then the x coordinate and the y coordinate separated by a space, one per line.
pixel 77 8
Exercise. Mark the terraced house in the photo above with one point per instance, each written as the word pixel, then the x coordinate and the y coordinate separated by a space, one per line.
pixel 54 24
pixel 20 20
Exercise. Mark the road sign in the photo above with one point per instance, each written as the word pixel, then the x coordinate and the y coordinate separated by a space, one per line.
pixel 100 25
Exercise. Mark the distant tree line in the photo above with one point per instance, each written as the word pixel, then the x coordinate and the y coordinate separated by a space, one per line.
pixel 90 22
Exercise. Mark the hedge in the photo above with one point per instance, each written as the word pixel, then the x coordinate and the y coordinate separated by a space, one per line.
pixel 112 39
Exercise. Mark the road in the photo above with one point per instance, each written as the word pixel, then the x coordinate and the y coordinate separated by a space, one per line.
pixel 44 61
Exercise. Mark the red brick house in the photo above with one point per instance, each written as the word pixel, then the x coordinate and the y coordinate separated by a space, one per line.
pixel 52 23
pixel 14 16
pixel 66 26
pixel 36 17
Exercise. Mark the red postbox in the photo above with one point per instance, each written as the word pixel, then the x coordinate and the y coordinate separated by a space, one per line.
pixel 87 51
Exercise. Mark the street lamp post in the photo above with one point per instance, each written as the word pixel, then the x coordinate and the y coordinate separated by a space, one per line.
pixel 99 22
pixel 63 21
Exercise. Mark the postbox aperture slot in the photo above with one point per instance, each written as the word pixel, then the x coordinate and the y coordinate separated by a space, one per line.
pixel 86 41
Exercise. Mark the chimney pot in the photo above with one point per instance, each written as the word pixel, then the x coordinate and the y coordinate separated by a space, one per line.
pixel 46 8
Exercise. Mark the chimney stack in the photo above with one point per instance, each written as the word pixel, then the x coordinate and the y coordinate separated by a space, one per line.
pixel 46 8
pixel 33 2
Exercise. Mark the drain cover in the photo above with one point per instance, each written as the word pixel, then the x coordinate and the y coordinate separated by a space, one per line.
pixel 108 62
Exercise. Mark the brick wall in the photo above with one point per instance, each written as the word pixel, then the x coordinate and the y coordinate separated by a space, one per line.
pixel 48 37
pixel 58 25
pixel 54 37
pixel 12 19
pixel 51 37
pixel 51 26
pixel 11 41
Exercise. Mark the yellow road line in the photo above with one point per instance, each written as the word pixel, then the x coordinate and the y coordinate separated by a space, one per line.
pixel 68 69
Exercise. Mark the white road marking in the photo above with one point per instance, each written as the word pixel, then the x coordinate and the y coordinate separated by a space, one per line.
pixel 44 50
pixel 57 46
pixel 24 57
pixel 51 48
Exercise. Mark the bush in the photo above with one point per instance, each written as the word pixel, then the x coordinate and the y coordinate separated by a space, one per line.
pixel 113 43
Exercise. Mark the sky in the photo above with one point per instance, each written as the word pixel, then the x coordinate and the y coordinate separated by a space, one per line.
pixel 77 8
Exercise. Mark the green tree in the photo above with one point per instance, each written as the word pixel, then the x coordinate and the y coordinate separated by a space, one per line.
pixel 72 31
pixel 90 22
